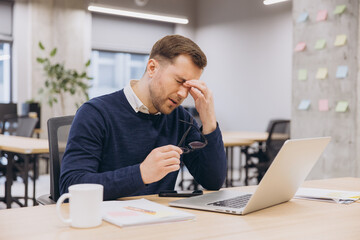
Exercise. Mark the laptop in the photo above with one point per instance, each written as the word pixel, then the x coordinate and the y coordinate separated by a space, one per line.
pixel 287 172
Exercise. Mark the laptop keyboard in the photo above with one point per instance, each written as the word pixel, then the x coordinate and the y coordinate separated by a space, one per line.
pixel 236 202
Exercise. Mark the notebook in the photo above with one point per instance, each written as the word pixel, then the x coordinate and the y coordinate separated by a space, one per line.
pixel 287 172
pixel 140 212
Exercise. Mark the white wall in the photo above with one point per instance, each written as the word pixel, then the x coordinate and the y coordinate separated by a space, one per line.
pixel 249 50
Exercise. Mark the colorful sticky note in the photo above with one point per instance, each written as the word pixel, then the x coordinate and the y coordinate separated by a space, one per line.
pixel 320 44
pixel 302 17
pixel 341 106
pixel 302 74
pixel 321 73
pixel 323 105
pixel 304 105
pixel 300 47
pixel 339 9
pixel 340 40
pixel 342 72
pixel 321 15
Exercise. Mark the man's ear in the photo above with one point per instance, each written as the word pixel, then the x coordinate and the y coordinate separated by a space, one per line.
pixel 152 67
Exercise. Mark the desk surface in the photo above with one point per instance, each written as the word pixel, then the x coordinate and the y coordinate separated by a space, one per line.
pixel 230 141
pixel 296 219
pixel 23 145
pixel 233 139
pixel 250 136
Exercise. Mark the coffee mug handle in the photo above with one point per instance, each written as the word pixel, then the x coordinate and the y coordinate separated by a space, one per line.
pixel 58 205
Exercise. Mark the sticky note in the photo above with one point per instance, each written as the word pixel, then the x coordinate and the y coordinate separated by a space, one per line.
pixel 304 105
pixel 342 72
pixel 320 44
pixel 341 106
pixel 340 40
pixel 302 74
pixel 300 47
pixel 323 105
pixel 321 15
pixel 321 73
pixel 339 9
pixel 302 17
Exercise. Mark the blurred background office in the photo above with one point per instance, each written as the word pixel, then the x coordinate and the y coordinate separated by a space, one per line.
pixel 248 44
pixel 252 69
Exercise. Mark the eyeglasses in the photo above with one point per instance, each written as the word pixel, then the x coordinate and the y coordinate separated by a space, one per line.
pixel 195 145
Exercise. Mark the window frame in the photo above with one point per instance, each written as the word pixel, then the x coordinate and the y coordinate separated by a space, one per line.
pixel 114 52
pixel 11 95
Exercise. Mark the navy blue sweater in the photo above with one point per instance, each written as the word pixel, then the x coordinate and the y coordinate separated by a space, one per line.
pixel 108 140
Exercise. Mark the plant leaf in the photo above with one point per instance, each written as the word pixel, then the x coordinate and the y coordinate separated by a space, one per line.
pixel 41 46
pixel 88 63
pixel 40 60
pixel 53 52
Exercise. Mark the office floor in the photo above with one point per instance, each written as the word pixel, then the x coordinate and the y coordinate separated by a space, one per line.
pixel 42 187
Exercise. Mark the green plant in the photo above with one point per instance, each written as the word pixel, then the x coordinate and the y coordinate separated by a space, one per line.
pixel 32 100
pixel 60 80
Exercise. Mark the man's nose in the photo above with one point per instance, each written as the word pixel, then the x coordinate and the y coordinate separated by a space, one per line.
pixel 183 92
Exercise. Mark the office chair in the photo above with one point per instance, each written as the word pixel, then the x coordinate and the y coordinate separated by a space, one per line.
pixel 58 132
pixel 261 159
pixel 7 110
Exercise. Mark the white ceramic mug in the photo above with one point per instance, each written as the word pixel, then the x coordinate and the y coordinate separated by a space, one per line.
pixel 85 205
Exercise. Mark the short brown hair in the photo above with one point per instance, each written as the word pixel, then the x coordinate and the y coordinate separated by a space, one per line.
pixel 171 46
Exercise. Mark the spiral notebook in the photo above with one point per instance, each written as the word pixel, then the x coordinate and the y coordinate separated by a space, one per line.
pixel 141 212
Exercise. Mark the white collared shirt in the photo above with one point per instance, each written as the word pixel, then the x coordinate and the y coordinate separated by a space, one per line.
pixel 134 101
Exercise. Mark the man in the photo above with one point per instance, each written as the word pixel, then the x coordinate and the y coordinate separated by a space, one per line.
pixel 127 141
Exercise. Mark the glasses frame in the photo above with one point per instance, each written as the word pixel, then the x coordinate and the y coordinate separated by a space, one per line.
pixel 188 148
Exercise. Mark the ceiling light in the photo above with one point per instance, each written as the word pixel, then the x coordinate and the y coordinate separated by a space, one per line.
pixel 268 2
pixel 126 13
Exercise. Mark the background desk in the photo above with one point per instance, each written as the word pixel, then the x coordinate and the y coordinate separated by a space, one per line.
pixel 229 143
pixel 297 219
pixel 28 147
pixel 243 140
pixel 244 135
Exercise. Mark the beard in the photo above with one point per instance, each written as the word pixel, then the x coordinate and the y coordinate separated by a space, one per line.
pixel 159 102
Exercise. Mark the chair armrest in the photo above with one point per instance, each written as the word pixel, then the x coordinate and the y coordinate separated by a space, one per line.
pixel 45 200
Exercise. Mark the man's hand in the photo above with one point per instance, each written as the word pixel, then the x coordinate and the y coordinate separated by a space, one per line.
pixel 159 163
pixel 204 104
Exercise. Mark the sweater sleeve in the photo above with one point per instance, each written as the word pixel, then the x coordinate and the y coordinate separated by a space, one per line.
pixel 208 165
pixel 83 156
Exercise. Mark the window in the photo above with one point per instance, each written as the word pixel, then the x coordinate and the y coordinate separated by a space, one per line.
pixel 112 71
pixel 5 84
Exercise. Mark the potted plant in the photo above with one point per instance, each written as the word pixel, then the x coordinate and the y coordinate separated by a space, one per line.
pixel 61 81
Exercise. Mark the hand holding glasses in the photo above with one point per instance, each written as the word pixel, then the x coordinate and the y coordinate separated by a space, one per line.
pixel 192 146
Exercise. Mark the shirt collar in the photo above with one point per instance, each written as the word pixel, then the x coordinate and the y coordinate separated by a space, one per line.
pixel 134 101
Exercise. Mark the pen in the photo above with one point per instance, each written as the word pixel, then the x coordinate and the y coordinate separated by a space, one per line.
pixel 141 210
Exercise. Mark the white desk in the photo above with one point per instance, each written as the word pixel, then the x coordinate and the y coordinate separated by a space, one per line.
pixel 294 220
pixel 29 147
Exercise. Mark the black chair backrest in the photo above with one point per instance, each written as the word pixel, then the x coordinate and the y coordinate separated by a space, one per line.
pixel 58 132
pixel 7 109
pixel 19 126
pixel 279 132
